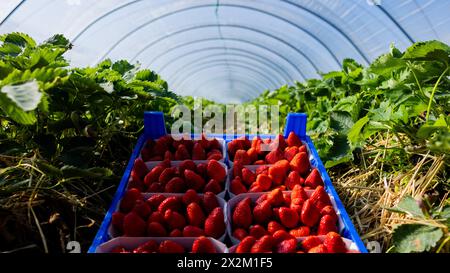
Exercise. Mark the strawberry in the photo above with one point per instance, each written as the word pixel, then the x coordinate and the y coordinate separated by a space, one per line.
pixel 255 188
pixel 279 171
pixel 187 165
pixel 182 153
pixel 215 223
pixel 193 231
pixel 195 215
pixel 275 197
pixel 135 182
pixel 242 157
pixel 320 198
pixel 165 164
pixel 117 220
pixel 329 210
pixel 133 225
pixel 287 246
pixel 302 149
pixel 190 196
pixel 142 209
pixel 175 185
pixel 201 169
pixel 293 179
pixel 209 202
pixel 155 200
pixel 281 235
pixel 176 233
pixel 287 199
pixel 170 247
pixel 237 187
pixel 242 214
pixel 290 152
pixel 213 186
pixel 129 199
pixel 262 212
pixel 274 226
pixel 174 219
pixel 237 169
pixel 310 242
pixel 156 216
pixel 215 144
pixel 334 243
pixel 327 224
pixel 198 153
pixel 278 143
pixel 302 231
pixel 215 170
pixel 240 234
pixel 259 162
pixel 168 156
pixel 153 175
pixel 300 163
pixel 262 170
pixel 314 179
pixel 246 245
pixel 172 203
pixel 214 155
pixel 293 140
pixel 147 247
pixel 140 168
pixel 155 187
pixel 318 249
pixel 257 231
pixel 310 215
pixel 166 175
pixel 261 199
pixel 264 244
pixel 274 156
pixel 156 229
pixel 298 193
pixel 146 154
pixel 248 177
pixel 204 142
pixel 203 245
pixel 288 217
pixel 252 154
pixel 193 180
pixel 264 182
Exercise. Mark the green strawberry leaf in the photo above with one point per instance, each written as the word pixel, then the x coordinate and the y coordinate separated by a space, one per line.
pixel 408 205
pixel 409 238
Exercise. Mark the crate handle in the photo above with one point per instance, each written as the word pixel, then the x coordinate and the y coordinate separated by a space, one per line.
pixel 154 125
pixel 295 122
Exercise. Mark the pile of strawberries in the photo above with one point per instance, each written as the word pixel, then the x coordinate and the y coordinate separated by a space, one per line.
pixel 187 215
pixel 202 177
pixel 200 245
pixel 292 212
pixel 167 148
pixel 289 165
pixel 283 242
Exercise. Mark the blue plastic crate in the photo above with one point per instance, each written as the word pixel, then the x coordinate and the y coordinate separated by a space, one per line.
pixel 155 128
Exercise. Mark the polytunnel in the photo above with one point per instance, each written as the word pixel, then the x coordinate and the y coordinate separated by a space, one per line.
pixel 227 50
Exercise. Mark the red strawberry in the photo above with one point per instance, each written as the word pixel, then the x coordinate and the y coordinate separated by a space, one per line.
pixel 170 247
pixel 237 169
pixel 261 199
pixel 142 209
pixel 182 153
pixel 209 202
pixel 214 155
pixel 264 244
pixel 176 233
pixel 255 188
pixel 242 214
pixel 293 179
pixel 195 215
pixel 242 157
pixel 259 162
pixel 203 245
pixel 213 186
pixel 140 168
pixel 287 199
pixel 334 243
pixel 174 219
pixel 293 140
pixel 248 177
pixel 198 153
pixel 172 203
pixel 240 234
pixel 175 185
pixel 262 170
pixel 297 205
pixel 155 187
pixel 274 156
pixel 190 196
pixel 298 193
pixel 215 170
pixel 166 175
pixel 314 179
pixel 155 200
pixel 252 155
pixel 129 199
pixel 262 212
pixel 300 163
pixel 133 225
pixel 165 164
pixel 257 231
pixel 275 197
pixel 201 169
pixel 192 231
pixel 287 246
pixel 156 216
pixel 187 165
pixel 117 220
pixel 279 171
pixel 146 154
pixel 135 182
pixel 168 156
pixel 288 217
pixel 320 198
pixel 290 152
pixel 147 247
pixel 329 210
pixel 193 180
pixel 274 226
pixel 310 214
pixel 327 224
pixel 302 231
pixel 310 242
pixel 281 235
pixel 155 229
pixel 237 187
pixel 302 149
pixel 278 143
pixel 215 223
pixel 204 141
pixel 246 245
pixel 318 249
pixel 264 182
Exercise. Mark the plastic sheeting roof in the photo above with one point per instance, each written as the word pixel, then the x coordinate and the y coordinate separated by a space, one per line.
pixel 230 50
